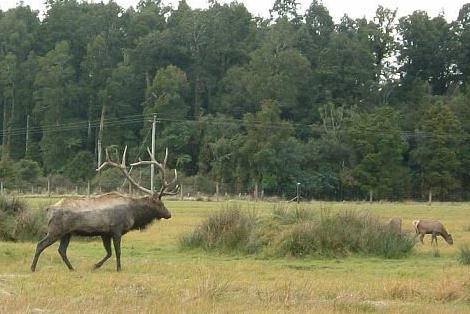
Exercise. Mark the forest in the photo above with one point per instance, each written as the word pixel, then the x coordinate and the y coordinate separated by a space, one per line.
pixel 349 110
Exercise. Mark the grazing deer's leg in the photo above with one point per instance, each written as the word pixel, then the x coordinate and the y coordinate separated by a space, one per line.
pixel 421 237
pixel 107 245
pixel 44 243
pixel 117 249
pixel 434 238
pixel 64 243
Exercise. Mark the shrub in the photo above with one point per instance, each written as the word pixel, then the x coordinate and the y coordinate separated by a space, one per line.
pixel 20 223
pixel 298 232
pixel 230 229
pixel 343 233
pixel 285 215
pixel 463 254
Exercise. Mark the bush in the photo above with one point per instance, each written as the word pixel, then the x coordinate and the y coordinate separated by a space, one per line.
pixel 463 254
pixel 20 223
pixel 298 232
pixel 287 216
pixel 230 229
pixel 343 233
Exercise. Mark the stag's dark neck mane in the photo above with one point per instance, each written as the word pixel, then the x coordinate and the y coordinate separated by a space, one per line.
pixel 142 212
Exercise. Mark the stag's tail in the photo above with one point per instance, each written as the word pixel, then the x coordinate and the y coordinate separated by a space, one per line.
pixel 415 225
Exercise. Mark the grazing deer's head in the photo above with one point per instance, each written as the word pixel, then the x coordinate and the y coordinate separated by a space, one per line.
pixel 449 239
pixel 154 199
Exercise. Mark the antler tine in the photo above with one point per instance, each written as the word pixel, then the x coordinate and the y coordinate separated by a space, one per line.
pixel 123 164
pixel 162 169
pixel 166 157
pixel 123 168
pixel 116 152
pixel 152 157
pixel 176 189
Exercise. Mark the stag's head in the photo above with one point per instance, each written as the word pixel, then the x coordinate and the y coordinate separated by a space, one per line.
pixel 157 204
pixel 154 198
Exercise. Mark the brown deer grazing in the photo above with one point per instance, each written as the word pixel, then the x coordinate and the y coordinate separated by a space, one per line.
pixel 433 227
pixel 109 216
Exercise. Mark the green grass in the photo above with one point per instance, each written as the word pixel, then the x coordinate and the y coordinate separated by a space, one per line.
pixel 159 277
pixel 463 254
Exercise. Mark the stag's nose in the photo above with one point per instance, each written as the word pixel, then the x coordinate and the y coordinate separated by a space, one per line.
pixel 168 215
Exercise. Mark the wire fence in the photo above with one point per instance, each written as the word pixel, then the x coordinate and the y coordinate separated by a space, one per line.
pixel 200 188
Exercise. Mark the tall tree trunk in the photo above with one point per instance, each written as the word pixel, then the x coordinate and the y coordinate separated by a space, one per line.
pixel 197 98
pixel 5 132
pixel 11 119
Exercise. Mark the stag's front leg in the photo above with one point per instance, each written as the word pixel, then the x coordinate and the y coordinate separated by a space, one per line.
pixel 64 243
pixel 117 249
pixel 107 245
pixel 44 243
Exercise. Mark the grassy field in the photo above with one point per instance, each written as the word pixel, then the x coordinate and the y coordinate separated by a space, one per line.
pixel 159 278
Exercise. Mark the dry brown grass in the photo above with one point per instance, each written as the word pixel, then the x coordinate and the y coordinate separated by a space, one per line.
pixel 157 278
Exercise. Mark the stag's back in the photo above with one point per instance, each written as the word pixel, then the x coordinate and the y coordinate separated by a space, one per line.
pixel 90 216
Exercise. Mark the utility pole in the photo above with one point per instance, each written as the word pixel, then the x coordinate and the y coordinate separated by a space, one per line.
pixel 298 192
pixel 27 134
pixel 100 133
pixel 152 167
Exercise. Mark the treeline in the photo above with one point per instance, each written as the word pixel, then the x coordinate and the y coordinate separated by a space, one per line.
pixel 360 107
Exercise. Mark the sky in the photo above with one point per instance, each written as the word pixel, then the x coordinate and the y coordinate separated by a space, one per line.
pixel 337 8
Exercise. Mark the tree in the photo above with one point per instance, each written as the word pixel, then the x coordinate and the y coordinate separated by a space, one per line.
pixel 462 28
pixel 169 93
pixel 314 35
pixel 285 9
pixel 80 168
pixel 55 89
pixel 436 153
pixel 379 149
pixel 347 71
pixel 276 71
pixel 428 51
pixel 265 135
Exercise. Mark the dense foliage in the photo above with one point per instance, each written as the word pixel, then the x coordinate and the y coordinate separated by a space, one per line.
pixel 360 108
pixel 297 232
pixel 18 222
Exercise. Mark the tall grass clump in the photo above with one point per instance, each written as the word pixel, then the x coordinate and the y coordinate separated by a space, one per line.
pixel 18 222
pixel 344 233
pixel 463 254
pixel 299 231
pixel 230 229
pixel 285 215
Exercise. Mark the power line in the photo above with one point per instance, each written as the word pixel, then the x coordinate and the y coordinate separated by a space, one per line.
pixel 140 119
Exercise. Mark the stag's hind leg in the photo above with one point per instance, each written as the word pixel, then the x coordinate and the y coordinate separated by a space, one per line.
pixel 107 245
pixel 117 249
pixel 64 243
pixel 44 243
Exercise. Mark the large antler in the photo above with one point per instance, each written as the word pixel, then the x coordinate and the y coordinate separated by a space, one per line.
pixel 162 169
pixel 122 167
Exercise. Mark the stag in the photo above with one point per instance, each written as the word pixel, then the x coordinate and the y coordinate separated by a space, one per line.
pixel 109 216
